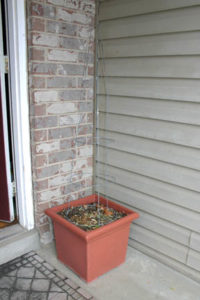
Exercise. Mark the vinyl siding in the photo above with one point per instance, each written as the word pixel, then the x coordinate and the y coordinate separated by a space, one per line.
pixel 148 126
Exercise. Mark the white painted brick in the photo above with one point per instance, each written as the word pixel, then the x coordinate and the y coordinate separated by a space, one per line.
pixel 66 167
pixel 74 17
pixel 47 147
pixel 46 96
pixel 85 32
pixel 49 195
pixel 80 163
pixel 58 180
pixel 87 172
pixel 195 241
pixel 73 119
pixel 194 259
pixel 69 4
pixel 61 108
pixel 85 151
pixel 63 55
pixel 64 179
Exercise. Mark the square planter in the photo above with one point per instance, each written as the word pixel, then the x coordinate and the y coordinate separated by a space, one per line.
pixel 91 254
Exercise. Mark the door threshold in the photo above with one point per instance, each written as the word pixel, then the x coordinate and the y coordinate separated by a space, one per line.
pixel 10 231
pixel 16 241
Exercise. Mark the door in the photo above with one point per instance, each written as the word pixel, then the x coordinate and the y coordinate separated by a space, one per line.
pixel 6 195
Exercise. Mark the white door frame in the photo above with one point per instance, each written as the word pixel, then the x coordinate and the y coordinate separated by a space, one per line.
pixel 20 110
pixel 5 125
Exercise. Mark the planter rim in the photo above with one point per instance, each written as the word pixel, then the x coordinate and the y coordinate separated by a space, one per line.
pixel 88 235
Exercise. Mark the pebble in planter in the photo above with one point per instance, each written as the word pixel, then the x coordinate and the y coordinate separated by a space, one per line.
pixel 91 253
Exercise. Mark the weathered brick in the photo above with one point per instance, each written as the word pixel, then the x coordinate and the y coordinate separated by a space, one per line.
pixel 40 161
pixel 40 185
pixel 37 82
pixel 70 143
pixel 40 207
pixel 67 144
pixel 36 24
pixel 41 219
pixel 60 133
pixel 61 156
pixel 85 32
pixel 61 108
pixel 85 106
pixel 80 141
pixel 91 70
pixel 73 119
pixel 73 187
pixel 80 163
pixel 70 95
pixel 41 10
pixel 61 179
pixel 86 82
pixel 47 171
pixel 61 82
pixel 90 140
pixel 44 68
pixel 63 55
pixel 48 195
pixel 74 17
pixel 46 96
pixel 90 94
pixel 71 69
pixel 73 43
pixel 87 58
pixel 66 167
pixel 66 26
pixel 36 9
pixel 44 39
pixel 47 147
pixel 39 135
pixel 74 4
pixel 90 117
pixel 87 6
pixel 85 129
pixel 36 54
pixel 44 122
pixel 85 151
pixel 61 28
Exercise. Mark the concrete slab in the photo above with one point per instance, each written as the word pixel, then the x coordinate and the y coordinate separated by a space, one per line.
pixel 139 278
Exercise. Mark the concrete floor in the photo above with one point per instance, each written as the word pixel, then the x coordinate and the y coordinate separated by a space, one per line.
pixel 139 278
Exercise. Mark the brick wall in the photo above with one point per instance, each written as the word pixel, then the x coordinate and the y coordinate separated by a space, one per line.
pixel 61 54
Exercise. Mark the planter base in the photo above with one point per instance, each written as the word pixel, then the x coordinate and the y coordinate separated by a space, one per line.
pixel 91 254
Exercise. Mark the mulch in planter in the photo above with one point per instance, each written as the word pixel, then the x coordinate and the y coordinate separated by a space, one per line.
pixel 91 216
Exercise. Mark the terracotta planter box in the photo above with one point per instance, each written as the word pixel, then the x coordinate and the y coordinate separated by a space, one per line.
pixel 91 254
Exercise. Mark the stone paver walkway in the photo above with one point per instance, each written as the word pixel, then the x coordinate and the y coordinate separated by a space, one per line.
pixel 31 277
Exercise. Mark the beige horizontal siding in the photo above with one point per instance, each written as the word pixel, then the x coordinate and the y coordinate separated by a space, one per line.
pixel 170 89
pixel 164 67
pixel 185 43
pixel 176 111
pixel 186 19
pixel 117 8
pixel 148 126
pixel 150 186
pixel 171 132
pixel 152 205
pixel 170 153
